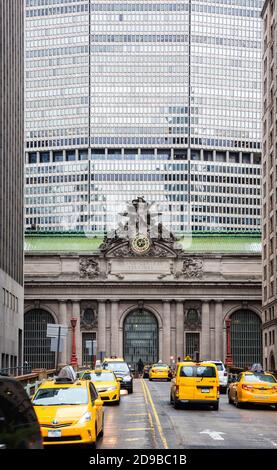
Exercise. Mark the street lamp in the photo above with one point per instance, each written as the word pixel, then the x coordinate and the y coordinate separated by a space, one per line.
pixel 74 360
pixel 228 360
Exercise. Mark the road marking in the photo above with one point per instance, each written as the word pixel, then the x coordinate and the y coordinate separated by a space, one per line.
pixel 137 414
pixel 214 434
pixel 269 440
pixel 135 439
pixel 137 429
pixel 160 429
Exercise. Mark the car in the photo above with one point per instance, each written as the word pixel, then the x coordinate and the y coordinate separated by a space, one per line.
pixel 69 412
pixel 19 426
pixel 160 371
pixel 195 383
pixel 106 384
pixel 253 387
pixel 146 368
pixel 121 370
pixel 222 374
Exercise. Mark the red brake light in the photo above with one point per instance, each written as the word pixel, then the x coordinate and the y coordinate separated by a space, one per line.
pixel 247 387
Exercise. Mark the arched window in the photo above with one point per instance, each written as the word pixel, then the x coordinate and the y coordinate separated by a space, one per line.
pixel 37 347
pixel 246 338
pixel 141 340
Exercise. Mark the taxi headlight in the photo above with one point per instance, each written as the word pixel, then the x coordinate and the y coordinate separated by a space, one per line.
pixel 85 418
pixel 109 389
pixel 127 378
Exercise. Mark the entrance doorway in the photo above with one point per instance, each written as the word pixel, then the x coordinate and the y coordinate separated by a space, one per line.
pixel 140 338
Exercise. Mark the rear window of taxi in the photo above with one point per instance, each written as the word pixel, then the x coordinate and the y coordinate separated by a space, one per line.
pixel 198 371
pixel 254 378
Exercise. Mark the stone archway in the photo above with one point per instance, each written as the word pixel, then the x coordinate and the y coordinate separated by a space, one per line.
pixel 140 337
pixel 272 364
pixel 246 338
pixel 37 347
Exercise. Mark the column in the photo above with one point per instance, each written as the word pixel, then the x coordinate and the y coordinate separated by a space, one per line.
pixel 205 349
pixel 166 331
pixel 76 314
pixel 219 330
pixel 179 329
pixel 114 327
pixel 63 321
pixel 101 336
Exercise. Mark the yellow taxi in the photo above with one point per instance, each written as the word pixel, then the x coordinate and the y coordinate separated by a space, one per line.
pixel 160 371
pixel 106 384
pixel 253 387
pixel 69 412
pixel 195 383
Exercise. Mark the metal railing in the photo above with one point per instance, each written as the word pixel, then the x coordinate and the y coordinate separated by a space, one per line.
pixel 16 371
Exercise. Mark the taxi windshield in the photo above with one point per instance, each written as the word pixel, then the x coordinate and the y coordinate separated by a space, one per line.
pixel 101 377
pixel 251 378
pixel 61 396
pixel 198 371
pixel 117 367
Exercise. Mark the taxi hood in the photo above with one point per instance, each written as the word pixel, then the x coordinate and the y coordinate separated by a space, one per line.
pixel 62 414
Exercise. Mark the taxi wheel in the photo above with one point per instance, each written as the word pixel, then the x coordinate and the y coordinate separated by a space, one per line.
pixel 101 433
pixel 150 380
pixel 216 406
pixel 176 405
pixel 117 402
pixel 237 403
pixel 229 399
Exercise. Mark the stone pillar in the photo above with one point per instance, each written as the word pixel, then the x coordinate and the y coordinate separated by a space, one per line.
pixel 219 330
pixel 179 329
pixel 63 321
pixel 101 336
pixel 76 313
pixel 205 348
pixel 166 331
pixel 114 327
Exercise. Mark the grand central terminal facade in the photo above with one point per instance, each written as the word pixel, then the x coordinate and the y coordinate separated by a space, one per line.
pixel 145 298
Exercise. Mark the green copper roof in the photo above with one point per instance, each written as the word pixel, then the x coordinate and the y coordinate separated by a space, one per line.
pixel 197 243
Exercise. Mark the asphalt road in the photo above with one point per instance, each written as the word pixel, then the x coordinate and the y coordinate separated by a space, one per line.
pixel 146 420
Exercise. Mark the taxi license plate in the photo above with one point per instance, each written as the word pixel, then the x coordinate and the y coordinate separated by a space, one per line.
pixel 264 397
pixel 205 390
pixel 54 433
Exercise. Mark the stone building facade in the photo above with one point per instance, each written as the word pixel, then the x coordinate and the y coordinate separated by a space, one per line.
pixel 11 181
pixel 269 15
pixel 156 301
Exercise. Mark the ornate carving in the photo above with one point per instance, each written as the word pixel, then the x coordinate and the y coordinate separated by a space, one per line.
pixel 89 268
pixel 192 268
pixel 127 241
pixel 192 318
pixel 89 316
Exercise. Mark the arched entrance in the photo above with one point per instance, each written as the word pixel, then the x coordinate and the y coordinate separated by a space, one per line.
pixel 246 338
pixel 272 363
pixel 37 347
pixel 140 337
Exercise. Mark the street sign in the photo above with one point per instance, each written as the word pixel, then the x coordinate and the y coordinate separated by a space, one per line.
pixel 53 330
pixel 54 345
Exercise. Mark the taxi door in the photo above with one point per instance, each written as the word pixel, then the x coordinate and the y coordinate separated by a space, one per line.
pixel 97 410
pixel 206 383
pixel 185 382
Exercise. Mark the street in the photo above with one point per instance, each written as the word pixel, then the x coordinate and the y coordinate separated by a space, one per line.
pixel 146 420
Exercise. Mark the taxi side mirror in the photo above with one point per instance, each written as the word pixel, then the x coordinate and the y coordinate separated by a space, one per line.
pixel 119 379
pixel 98 402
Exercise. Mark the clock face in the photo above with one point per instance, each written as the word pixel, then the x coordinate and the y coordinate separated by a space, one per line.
pixel 141 244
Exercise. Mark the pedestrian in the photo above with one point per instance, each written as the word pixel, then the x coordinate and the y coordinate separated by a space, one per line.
pixel 140 366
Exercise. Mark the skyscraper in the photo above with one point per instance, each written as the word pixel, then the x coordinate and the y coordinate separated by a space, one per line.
pixel 269 15
pixel 143 98
pixel 11 181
